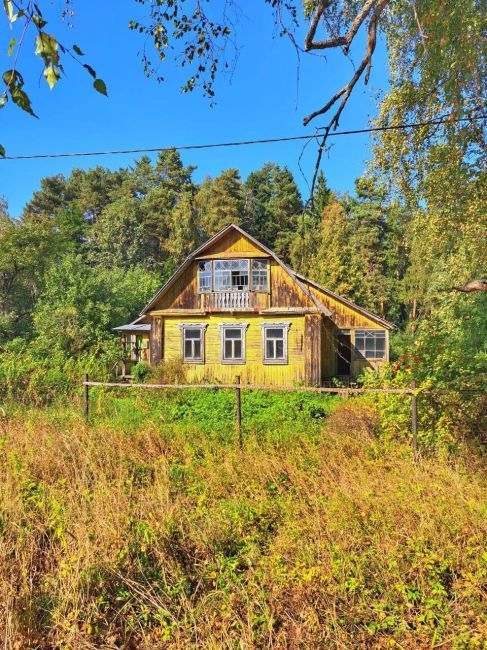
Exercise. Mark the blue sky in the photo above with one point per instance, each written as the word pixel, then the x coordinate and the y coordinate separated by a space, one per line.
pixel 263 99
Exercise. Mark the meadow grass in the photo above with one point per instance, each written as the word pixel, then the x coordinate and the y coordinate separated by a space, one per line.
pixel 147 527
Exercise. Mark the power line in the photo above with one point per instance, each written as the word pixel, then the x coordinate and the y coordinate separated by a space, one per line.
pixel 240 143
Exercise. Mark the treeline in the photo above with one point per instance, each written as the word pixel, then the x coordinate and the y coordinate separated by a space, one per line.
pixel 146 219
pixel 90 249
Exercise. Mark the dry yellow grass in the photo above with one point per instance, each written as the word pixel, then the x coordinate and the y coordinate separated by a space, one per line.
pixel 163 540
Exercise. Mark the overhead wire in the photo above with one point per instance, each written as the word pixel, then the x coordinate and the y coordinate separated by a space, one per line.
pixel 240 143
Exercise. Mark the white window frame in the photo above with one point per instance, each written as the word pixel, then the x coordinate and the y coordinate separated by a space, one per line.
pixel 230 288
pixel 362 354
pixel 259 259
pixel 243 330
pixel 284 325
pixel 210 288
pixel 193 326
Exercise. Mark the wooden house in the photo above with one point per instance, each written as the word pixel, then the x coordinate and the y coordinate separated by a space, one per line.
pixel 233 308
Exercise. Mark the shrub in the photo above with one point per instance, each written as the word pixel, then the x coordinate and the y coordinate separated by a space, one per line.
pixel 139 372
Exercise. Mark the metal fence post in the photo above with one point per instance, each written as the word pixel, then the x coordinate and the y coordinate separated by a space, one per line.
pixel 414 418
pixel 86 396
pixel 238 411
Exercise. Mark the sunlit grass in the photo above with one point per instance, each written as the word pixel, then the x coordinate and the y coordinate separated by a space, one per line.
pixel 148 527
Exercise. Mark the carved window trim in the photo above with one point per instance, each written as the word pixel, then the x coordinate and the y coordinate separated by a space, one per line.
pixel 202 329
pixel 284 325
pixel 243 330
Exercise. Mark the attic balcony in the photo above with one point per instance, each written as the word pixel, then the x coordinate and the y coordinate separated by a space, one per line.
pixel 217 301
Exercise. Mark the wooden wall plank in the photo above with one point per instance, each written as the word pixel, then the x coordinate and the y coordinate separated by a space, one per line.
pixel 156 340
pixel 312 347
pixel 254 371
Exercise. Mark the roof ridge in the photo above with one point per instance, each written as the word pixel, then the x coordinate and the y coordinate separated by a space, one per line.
pixel 185 264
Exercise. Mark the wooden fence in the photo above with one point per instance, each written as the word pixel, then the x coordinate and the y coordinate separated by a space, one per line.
pixel 412 391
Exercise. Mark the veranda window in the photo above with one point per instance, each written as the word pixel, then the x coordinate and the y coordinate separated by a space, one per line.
pixel 371 343
pixel 231 275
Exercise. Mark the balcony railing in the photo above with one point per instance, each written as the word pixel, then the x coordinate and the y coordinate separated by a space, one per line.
pixel 230 300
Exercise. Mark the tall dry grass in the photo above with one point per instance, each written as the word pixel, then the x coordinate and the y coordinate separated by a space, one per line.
pixel 154 539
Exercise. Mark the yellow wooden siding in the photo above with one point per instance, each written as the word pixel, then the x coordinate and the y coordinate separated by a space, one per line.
pixel 234 242
pixel 254 371
pixel 344 316
pixel 285 292
pixel 183 294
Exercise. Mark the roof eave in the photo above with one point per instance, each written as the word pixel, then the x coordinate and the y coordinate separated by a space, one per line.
pixel 365 312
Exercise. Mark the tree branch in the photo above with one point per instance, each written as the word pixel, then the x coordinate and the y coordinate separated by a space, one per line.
pixel 339 41
pixel 472 285
pixel 365 66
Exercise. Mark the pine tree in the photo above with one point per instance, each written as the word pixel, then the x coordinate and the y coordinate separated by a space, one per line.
pixel 220 201
pixel 330 265
pixel 273 207
pixel 323 195
pixel 367 263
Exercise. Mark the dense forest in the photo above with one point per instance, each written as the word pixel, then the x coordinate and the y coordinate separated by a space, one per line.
pixel 90 249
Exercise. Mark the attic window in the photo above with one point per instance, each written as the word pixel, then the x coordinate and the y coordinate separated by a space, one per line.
pixel 371 344
pixel 231 275
pixel 260 275
pixel 204 277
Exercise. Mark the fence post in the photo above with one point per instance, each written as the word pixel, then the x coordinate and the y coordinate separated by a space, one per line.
pixel 238 411
pixel 414 419
pixel 86 396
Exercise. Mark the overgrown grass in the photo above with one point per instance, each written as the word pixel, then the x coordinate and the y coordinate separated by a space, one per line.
pixel 149 528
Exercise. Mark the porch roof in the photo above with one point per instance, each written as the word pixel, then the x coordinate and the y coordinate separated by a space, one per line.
pixel 133 327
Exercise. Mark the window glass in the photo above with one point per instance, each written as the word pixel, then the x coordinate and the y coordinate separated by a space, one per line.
pixel 280 349
pixel 231 275
pixel 275 343
pixel 260 275
pixel 371 343
pixel 204 276
pixel 232 344
pixel 193 345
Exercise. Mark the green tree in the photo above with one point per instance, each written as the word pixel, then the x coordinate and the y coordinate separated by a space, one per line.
pixel 368 225
pixel 330 265
pixel 219 201
pixel 117 238
pixel 273 207
pixel 80 304
pixel 161 190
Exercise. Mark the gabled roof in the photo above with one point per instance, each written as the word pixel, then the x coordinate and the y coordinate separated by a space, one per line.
pixel 345 301
pixel 299 279
pixel 219 235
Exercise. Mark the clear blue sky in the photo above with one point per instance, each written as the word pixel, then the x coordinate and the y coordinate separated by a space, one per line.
pixel 263 99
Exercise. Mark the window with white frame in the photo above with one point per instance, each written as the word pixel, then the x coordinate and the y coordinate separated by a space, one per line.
pixel 204 277
pixel 371 344
pixel 260 275
pixel 193 342
pixel 233 342
pixel 231 275
pixel 274 342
